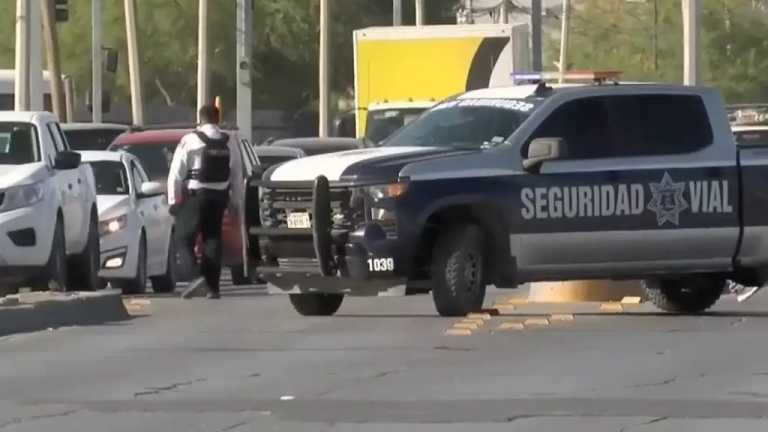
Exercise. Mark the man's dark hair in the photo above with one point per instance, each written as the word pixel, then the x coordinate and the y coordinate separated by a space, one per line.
pixel 209 114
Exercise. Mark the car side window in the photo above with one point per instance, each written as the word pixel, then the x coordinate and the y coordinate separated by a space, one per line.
pixel 62 137
pixel 629 126
pixel 55 138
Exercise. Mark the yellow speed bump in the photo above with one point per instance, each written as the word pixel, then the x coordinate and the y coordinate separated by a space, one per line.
pixel 561 317
pixel 536 322
pixel 458 332
pixel 510 326
pixel 503 308
pixel 611 307
pixel 631 300
pixel 482 316
pixel 469 325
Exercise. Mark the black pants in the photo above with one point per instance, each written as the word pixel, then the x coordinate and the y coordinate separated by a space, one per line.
pixel 202 212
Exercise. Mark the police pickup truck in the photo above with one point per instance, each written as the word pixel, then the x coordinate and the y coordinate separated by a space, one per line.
pixel 527 183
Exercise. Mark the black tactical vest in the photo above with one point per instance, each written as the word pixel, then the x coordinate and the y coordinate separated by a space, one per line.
pixel 214 166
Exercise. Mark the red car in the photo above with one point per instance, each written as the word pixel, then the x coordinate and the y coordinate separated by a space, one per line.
pixel 155 150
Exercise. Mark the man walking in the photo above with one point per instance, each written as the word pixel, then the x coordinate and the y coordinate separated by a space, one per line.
pixel 205 177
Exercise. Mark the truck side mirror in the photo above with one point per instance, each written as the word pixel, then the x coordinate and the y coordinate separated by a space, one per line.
pixel 66 160
pixel 151 189
pixel 543 149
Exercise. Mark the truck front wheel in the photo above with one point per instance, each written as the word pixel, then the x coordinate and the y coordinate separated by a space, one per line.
pixel 316 304
pixel 688 294
pixel 458 287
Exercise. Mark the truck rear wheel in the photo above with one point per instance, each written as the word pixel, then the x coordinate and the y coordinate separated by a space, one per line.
pixel 458 287
pixel 316 304
pixel 688 294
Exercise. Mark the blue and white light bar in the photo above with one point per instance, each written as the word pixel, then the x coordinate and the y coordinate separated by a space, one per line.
pixel 581 75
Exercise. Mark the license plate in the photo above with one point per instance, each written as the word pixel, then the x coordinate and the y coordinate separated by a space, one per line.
pixel 299 220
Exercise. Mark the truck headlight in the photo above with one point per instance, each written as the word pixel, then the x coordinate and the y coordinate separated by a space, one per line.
pixel 113 225
pixel 382 192
pixel 22 196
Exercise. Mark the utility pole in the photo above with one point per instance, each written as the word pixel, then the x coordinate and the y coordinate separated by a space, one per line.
pixel 504 12
pixel 37 85
pixel 47 7
pixel 244 84
pixel 397 12
pixel 69 97
pixel 96 61
pixel 536 35
pixel 325 77
pixel 470 11
pixel 564 40
pixel 203 96
pixel 691 42
pixel 420 12
pixel 134 68
pixel 21 90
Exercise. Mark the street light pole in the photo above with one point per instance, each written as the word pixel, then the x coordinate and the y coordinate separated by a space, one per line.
pixel 536 35
pixel 564 40
pixel 47 7
pixel 203 96
pixel 325 73
pixel 96 61
pixel 244 84
pixel 419 12
pixel 691 42
pixel 21 90
pixel 397 12
pixel 134 68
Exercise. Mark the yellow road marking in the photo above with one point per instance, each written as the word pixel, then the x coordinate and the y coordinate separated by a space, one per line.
pixel 536 322
pixel 561 317
pixel 483 316
pixel 631 300
pixel 511 326
pixel 505 308
pixel 611 307
pixel 466 325
pixel 458 332
pixel 142 302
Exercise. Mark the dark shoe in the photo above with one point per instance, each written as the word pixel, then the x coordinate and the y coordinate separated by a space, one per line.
pixel 213 296
pixel 196 288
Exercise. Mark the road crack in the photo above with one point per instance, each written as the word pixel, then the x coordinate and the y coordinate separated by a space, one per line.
pixel 157 390
pixel 655 384
pixel 20 420
pixel 649 422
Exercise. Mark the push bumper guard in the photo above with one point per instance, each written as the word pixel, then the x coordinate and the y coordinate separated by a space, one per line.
pixel 364 254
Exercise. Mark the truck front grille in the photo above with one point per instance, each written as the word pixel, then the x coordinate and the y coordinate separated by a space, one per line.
pixel 276 204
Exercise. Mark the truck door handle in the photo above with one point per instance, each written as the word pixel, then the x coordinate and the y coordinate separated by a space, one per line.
pixel 79 181
pixel 69 186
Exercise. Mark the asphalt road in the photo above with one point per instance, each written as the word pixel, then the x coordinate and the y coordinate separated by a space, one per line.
pixel 249 363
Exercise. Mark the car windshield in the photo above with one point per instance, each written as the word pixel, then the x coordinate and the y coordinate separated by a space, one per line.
pixel 383 123
pixel 268 161
pixel 111 178
pixel 155 157
pixel 18 144
pixel 465 123
pixel 96 139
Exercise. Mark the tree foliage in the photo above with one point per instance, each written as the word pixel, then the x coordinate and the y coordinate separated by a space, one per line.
pixel 647 44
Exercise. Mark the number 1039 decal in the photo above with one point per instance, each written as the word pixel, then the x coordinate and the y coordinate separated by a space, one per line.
pixel 381 264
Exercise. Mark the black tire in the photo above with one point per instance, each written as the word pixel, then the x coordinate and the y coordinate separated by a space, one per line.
pixel 84 267
pixel 458 287
pixel 166 283
pixel 316 304
pixel 138 284
pixel 689 294
pixel 54 276
pixel 238 275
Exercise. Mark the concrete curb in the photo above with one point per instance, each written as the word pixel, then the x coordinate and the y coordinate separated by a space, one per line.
pixel 36 311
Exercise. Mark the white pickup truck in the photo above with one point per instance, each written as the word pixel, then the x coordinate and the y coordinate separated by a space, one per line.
pixel 49 234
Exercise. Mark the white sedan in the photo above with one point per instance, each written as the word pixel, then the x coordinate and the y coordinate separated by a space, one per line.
pixel 135 227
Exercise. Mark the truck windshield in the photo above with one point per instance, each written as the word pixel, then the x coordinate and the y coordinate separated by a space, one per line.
pixel 383 122
pixel 18 144
pixel 465 123
pixel 111 178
